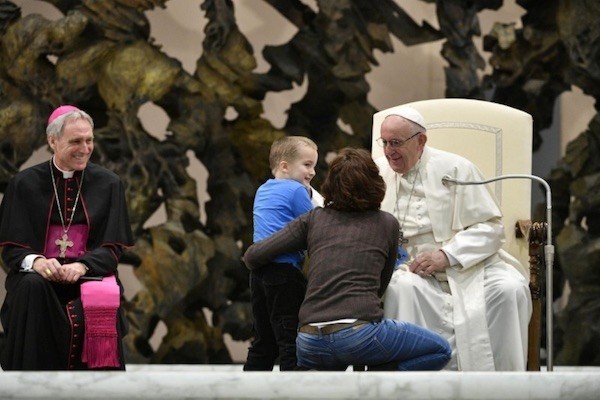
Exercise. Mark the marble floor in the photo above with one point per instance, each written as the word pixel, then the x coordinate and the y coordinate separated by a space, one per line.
pixel 230 382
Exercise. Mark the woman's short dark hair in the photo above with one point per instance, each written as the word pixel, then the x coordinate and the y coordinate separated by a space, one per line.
pixel 353 182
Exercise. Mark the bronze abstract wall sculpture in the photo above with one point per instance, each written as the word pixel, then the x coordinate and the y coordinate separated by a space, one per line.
pixel 101 57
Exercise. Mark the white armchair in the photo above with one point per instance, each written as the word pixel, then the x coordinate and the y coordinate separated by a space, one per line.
pixel 498 139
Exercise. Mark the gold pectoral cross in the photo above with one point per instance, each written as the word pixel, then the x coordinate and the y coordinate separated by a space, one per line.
pixel 401 239
pixel 63 244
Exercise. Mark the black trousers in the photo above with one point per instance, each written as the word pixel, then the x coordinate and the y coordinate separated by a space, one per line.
pixel 277 292
pixel 43 325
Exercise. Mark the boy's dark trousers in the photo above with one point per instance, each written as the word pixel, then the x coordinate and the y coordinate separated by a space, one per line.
pixel 277 293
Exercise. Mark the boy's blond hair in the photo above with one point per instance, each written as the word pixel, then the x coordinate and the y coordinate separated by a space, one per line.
pixel 286 149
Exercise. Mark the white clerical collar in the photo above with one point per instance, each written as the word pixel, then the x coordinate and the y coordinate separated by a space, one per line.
pixel 412 173
pixel 66 174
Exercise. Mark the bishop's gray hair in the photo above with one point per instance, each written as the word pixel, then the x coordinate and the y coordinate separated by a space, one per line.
pixel 55 128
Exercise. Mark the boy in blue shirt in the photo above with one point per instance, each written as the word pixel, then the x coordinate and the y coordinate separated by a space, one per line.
pixel 278 288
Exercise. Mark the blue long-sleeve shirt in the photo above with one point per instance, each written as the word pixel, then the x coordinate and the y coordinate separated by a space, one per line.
pixel 277 202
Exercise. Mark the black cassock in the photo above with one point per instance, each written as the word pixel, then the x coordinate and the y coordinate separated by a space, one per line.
pixel 42 320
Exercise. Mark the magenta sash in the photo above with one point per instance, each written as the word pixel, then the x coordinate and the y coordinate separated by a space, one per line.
pixel 78 235
pixel 100 301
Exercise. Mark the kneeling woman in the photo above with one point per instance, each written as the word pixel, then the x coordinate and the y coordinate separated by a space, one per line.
pixel 352 249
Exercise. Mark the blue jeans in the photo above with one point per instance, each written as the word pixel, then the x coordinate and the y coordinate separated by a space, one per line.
pixel 385 345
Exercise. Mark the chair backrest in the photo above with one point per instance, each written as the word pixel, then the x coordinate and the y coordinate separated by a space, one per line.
pixel 497 138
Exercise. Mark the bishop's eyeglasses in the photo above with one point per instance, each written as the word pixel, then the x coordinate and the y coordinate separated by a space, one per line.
pixel 394 143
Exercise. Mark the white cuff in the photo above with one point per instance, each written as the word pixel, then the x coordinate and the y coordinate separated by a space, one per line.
pixel 453 261
pixel 27 263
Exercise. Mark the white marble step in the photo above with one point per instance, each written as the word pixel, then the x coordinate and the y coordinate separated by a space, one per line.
pixel 230 382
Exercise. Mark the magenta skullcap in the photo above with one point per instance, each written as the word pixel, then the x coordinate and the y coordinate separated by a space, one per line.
pixel 61 111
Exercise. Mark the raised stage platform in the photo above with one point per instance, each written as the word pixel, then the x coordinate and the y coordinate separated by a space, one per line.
pixel 230 382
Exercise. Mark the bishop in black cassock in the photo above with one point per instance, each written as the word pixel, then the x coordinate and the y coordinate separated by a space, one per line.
pixel 42 318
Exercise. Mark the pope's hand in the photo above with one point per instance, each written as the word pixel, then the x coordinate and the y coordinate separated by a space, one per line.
pixel 429 262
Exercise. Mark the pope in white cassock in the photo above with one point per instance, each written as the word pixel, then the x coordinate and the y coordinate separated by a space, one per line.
pixel 453 278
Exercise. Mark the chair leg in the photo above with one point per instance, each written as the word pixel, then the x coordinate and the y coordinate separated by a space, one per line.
pixel 535 234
